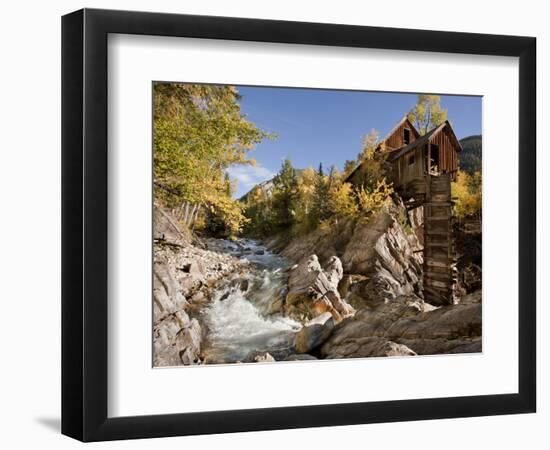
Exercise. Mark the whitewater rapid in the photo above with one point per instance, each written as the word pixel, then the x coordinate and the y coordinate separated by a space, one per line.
pixel 239 319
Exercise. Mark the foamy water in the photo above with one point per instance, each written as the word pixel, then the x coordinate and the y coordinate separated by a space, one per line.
pixel 239 318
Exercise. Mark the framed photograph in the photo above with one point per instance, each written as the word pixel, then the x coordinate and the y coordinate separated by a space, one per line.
pixel 273 224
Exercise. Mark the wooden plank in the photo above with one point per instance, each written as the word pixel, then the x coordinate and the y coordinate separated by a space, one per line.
pixel 438 276
pixel 437 263
pixel 435 283
pixel 438 204
pixel 441 296
pixel 436 233
pixel 436 290
pixel 446 269
pixel 430 262
pixel 440 197
pixel 434 218
pixel 437 244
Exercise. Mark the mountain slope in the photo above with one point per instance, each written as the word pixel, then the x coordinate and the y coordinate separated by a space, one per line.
pixel 470 156
pixel 267 186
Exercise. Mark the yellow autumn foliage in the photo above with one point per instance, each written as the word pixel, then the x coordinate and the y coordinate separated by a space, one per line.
pixel 466 192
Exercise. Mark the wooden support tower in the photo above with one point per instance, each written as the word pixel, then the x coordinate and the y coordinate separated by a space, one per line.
pixel 423 167
pixel 438 241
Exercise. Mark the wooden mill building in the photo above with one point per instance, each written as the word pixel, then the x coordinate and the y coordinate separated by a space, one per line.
pixel 422 170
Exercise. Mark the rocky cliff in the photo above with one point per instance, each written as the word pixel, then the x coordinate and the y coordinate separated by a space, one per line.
pixel 408 326
pixel 354 291
pixel 382 279
pixel 381 258
pixel 184 273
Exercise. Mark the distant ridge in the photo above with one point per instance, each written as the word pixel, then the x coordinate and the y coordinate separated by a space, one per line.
pixel 471 155
pixel 266 186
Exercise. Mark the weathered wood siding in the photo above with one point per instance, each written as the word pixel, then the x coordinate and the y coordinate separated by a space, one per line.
pixel 395 139
pixel 406 172
pixel 448 161
pixel 439 252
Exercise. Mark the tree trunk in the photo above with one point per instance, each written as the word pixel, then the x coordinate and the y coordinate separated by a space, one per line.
pixel 186 213
pixel 196 216
pixel 192 215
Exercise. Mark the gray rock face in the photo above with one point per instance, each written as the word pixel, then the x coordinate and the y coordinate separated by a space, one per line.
pixel 176 340
pixel 371 346
pixel 313 290
pixel 314 333
pixel 266 357
pixel 176 337
pixel 406 326
pixel 300 357
pixel 380 255
pixel 166 229
pixel 183 276
pixel 167 294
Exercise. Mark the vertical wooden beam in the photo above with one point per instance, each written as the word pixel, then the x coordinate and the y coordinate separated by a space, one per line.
pixel 429 147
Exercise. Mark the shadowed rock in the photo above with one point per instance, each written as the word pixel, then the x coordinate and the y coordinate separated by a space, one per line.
pixel 410 322
pixel 314 333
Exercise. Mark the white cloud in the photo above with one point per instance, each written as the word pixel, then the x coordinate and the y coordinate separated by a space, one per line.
pixel 249 176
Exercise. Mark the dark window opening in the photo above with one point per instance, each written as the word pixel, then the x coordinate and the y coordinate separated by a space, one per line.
pixel 406 136
pixel 411 160
pixel 434 154
pixel 425 157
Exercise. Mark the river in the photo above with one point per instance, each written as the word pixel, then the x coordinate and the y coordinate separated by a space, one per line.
pixel 239 319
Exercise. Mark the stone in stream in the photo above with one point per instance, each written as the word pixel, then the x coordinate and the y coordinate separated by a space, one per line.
pixel 313 290
pixel 382 255
pixel 244 284
pixel 276 306
pixel 199 297
pixel 314 333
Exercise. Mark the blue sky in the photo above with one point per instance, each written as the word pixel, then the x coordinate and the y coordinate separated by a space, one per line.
pixel 315 125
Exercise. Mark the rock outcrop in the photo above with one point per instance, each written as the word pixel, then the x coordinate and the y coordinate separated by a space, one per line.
pixel 183 275
pixel 407 326
pixel 313 290
pixel 176 337
pixel 314 333
pixel 381 258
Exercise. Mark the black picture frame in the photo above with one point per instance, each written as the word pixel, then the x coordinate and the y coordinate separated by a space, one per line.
pixel 84 224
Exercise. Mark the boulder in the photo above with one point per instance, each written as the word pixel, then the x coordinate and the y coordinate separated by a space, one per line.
pixel 167 295
pixel 166 230
pixel 300 357
pixel 313 290
pixel 372 346
pixel 183 273
pixel 199 297
pixel 384 251
pixel 266 357
pixel 314 333
pixel 334 272
pixel 188 343
pixel 411 322
pixel 193 268
pixel 276 306
pixel 177 340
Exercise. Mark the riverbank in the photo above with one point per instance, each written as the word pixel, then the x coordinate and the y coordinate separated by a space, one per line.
pixel 231 301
